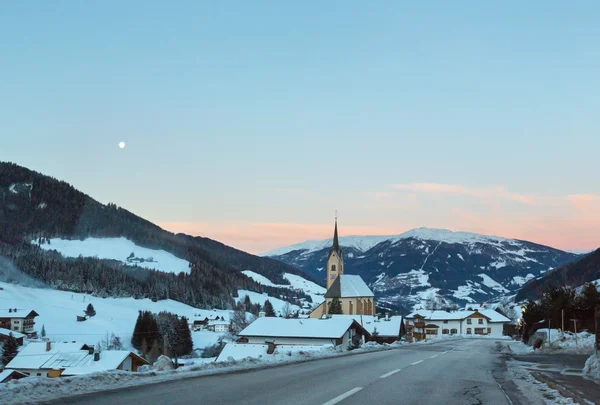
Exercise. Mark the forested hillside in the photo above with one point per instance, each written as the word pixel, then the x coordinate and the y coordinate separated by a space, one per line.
pixel 35 207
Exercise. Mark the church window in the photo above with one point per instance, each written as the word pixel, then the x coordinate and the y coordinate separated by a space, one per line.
pixel 333 267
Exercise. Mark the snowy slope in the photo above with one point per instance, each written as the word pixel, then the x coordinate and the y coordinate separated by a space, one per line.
pixel 58 311
pixel 315 291
pixel 119 249
pixel 258 298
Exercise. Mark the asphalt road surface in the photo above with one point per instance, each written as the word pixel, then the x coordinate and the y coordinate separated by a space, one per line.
pixel 456 372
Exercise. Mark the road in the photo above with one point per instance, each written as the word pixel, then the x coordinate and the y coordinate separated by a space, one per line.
pixel 455 372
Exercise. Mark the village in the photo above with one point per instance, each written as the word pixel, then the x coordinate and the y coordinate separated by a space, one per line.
pixel 344 321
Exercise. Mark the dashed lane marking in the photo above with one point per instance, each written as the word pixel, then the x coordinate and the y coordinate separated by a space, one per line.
pixel 416 362
pixel 390 373
pixel 345 395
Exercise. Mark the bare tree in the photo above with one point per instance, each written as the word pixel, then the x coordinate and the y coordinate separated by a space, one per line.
pixel 286 311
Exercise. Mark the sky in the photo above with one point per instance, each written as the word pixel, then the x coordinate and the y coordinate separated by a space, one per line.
pixel 253 122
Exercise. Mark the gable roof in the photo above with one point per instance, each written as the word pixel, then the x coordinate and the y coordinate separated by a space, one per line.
pixel 7 332
pixel 348 286
pixel 19 313
pixel 330 328
pixel 109 360
pixel 4 375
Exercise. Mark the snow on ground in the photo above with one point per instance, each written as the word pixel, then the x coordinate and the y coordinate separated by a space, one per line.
pixel 493 284
pixel 591 369
pixel 533 390
pixel 518 280
pixel 568 342
pixel 119 249
pixel 315 291
pixel 58 311
pixel 518 347
pixel 258 298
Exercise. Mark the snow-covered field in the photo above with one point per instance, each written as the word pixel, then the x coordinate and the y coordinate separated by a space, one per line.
pixel 119 249
pixel 315 291
pixel 58 311
pixel 258 298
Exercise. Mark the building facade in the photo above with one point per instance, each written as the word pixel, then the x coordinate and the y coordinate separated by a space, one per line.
pixel 355 297
pixel 430 324
pixel 18 320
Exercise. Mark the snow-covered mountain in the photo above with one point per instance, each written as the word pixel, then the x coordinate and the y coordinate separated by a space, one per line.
pixel 407 269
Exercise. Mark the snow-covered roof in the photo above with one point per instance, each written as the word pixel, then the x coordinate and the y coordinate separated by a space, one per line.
pixel 331 328
pixel 348 285
pixel 19 313
pixel 6 373
pixel 16 334
pixel 35 356
pixel 73 357
pixel 391 327
pixel 109 360
pixel 492 315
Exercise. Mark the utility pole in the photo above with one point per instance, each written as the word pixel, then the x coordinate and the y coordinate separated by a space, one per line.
pixel 548 330
pixel 562 315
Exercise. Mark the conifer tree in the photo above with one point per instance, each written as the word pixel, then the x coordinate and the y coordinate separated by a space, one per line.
pixel 43 331
pixel 90 311
pixel 10 349
pixel 268 309
pixel 335 306
pixel 137 337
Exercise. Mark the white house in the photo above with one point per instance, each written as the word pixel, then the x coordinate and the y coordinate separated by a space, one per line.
pixel 339 331
pixel 18 320
pixel 50 359
pixel 218 326
pixel 429 324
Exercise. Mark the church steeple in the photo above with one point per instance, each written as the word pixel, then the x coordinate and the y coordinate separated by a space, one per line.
pixel 335 259
pixel 336 243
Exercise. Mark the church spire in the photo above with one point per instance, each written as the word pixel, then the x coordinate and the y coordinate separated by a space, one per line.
pixel 336 243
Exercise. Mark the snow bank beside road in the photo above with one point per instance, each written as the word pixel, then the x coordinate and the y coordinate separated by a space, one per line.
pixel 568 342
pixel 591 369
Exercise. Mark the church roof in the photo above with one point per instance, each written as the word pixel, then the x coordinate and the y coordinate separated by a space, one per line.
pixel 336 243
pixel 348 285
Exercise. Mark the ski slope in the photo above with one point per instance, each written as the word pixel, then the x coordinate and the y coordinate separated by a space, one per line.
pixel 119 249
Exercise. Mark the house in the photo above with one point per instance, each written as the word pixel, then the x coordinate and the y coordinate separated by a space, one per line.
pixel 355 296
pixel 341 331
pixel 59 359
pixel 430 324
pixel 5 333
pixel 18 320
pixel 387 329
pixel 218 326
pixel 9 375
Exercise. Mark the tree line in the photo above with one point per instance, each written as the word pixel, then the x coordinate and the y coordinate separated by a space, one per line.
pixel 560 302
pixel 162 333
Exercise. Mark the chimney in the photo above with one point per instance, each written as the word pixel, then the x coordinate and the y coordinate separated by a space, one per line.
pixel 96 356
pixel 48 345
pixel 387 316
pixel 9 310
pixel 14 309
pixel 261 314
pixel 91 350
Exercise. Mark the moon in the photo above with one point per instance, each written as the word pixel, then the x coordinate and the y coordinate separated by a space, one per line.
pixel 121 145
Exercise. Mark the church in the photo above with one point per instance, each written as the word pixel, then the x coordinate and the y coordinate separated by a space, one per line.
pixel 355 296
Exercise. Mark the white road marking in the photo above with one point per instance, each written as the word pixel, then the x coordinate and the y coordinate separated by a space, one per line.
pixel 340 398
pixel 434 356
pixel 416 362
pixel 446 352
pixel 390 373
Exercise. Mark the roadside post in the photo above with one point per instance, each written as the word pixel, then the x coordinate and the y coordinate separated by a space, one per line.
pixel 575 326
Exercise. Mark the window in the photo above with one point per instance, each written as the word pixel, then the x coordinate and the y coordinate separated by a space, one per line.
pixel 468 331
pixel 445 321
pixel 333 267
pixel 445 331
pixel 481 321
pixel 39 374
pixel 468 321
pixel 431 331
pixel 453 331
pixel 479 331
pixel 489 331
